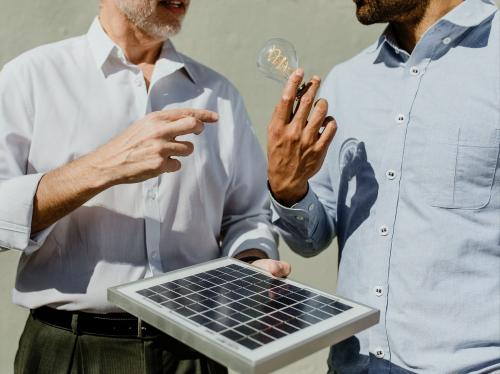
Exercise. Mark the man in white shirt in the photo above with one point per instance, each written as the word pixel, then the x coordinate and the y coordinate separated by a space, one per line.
pixel 94 195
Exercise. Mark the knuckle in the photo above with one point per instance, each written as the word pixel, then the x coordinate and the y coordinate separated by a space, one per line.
pixel 157 148
pixel 155 116
pixel 188 113
pixel 157 164
pixel 287 99
pixel 273 132
pixel 307 142
pixel 200 126
pixel 157 132
pixel 294 137
pixel 191 122
pixel 306 100
pixel 322 107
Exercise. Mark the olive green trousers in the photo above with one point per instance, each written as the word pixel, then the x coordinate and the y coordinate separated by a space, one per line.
pixel 45 349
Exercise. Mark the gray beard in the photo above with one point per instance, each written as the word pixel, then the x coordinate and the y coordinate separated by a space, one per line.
pixel 142 18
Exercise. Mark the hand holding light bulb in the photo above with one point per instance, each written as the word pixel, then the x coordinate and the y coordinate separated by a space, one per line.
pixel 296 145
pixel 277 60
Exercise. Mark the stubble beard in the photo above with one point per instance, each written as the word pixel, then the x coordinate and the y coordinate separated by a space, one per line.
pixel 144 17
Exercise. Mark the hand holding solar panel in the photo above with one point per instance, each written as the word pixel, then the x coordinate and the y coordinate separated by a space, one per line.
pixel 242 317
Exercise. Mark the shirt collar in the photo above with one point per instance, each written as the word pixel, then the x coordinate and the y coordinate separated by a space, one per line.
pixel 466 15
pixel 169 61
pixel 100 43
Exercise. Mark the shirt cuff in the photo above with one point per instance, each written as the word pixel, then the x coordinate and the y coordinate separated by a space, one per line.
pixel 264 239
pixel 303 215
pixel 16 210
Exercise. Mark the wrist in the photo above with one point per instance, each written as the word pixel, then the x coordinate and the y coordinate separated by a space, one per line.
pixel 98 177
pixel 289 195
pixel 251 255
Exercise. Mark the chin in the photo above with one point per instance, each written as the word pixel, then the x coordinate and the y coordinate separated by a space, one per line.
pixel 366 17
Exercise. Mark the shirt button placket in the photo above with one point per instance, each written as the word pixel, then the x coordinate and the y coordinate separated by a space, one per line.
pixel 415 71
pixel 400 118
pixel 390 174
pixel 383 230
pixel 379 353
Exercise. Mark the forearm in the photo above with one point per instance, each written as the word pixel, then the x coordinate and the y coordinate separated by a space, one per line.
pixel 64 189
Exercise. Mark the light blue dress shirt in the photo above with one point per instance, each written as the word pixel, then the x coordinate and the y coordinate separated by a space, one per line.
pixel 410 188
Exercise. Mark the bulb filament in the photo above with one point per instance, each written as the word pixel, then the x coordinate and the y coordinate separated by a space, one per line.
pixel 279 61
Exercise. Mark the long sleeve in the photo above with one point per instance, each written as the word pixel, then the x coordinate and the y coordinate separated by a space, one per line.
pixel 17 188
pixel 308 227
pixel 246 220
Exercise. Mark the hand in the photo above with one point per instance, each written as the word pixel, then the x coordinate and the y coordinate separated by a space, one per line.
pixel 276 268
pixel 148 147
pixel 296 149
pixel 279 269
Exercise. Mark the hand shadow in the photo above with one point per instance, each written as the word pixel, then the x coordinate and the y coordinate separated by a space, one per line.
pixel 358 191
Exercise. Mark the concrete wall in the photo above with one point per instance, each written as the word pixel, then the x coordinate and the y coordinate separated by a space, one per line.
pixel 226 35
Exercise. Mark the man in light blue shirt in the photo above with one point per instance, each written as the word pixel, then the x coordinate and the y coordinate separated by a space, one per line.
pixel 409 185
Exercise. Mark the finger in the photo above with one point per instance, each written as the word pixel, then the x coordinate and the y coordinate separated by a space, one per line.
pixel 286 269
pixel 179 148
pixel 172 165
pixel 307 101
pixel 317 119
pixel 328 133
pixel 284 108
pixel 203 115
pixel 282 269
pixel 279 269
pixel 183 126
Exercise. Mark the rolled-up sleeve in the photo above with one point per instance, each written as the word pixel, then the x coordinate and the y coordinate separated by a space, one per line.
pixel 17 188
pixel 246 221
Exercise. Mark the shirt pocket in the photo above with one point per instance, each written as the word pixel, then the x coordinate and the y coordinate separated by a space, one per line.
pixel 462 167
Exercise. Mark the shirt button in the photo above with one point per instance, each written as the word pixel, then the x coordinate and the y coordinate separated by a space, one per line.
pixel 400 118
pixel 383 230
pixel 379 353
pixel 311 207
pixel 139 81
pixel 446 40
pixel 390 174
pixel 379 291
pixel 299 218
pixel 414 70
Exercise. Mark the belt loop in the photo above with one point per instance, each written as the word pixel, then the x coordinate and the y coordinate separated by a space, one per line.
pixel 140 328
pixel 74 323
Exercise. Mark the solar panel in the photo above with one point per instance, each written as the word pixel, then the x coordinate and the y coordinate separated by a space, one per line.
pixel 242 317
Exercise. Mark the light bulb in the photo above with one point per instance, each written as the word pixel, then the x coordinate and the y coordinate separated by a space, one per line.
pixel 277 59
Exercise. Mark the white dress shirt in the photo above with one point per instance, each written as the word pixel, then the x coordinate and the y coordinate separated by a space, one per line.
pixel 63 100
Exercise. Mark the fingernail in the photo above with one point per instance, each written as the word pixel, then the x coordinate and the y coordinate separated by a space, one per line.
pixel 329 119
pixel 215 116
pixel 317 101
pixel 299 72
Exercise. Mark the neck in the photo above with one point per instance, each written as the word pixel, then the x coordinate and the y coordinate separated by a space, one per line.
pixel 408 32
pixel 138 47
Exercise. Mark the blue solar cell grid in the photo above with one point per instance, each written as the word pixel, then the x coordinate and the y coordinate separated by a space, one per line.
pixel 244 305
